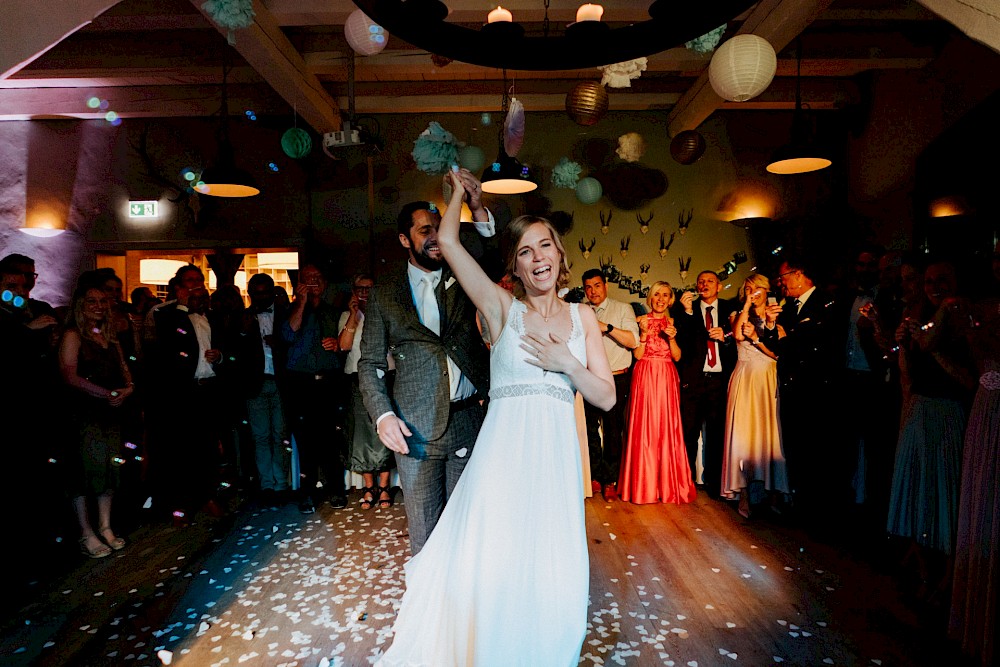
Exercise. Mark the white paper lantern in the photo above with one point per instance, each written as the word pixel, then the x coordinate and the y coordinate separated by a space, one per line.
pixel 364 35
pixel 742 68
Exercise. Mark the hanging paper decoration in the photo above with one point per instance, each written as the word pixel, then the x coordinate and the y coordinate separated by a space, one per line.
pixel 620 75
pixel 587 102
pixel 631 147
pixel 707 42
pixel 566 174
pixel 230 14
pixel 364 35
pixel 589 190
pixel 472 158
pixel 742 68
pixel 513 128
pixel 687 147
pixel 296 142
pixel 435 150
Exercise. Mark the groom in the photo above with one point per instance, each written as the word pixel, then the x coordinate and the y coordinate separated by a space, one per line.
pixel 424 319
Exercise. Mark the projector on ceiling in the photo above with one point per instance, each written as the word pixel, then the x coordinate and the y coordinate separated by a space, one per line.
pixel 346 137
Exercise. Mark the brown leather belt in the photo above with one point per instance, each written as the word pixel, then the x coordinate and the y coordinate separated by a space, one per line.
pixel 621 372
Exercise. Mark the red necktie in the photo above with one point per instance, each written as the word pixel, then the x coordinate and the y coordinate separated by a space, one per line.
pixel 711 343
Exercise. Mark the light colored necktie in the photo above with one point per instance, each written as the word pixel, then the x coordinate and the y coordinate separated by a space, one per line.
pixel 429 313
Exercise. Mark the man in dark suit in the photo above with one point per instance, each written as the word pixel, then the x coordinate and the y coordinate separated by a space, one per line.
pixel 186 358
pixel 708 356
pixel 804 333
pixel 426 321
pixel 261 361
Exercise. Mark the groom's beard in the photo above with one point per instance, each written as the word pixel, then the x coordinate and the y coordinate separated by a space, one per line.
pixel 426 261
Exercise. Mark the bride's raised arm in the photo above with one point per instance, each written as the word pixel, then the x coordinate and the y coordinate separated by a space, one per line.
pixel 491 300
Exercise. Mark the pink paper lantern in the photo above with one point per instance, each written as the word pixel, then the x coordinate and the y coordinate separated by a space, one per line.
pixel 364 35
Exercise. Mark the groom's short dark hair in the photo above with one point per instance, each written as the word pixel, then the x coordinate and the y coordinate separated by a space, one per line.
pixel 404 221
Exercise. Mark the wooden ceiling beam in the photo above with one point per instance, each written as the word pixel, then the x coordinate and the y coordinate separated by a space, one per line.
pixel 264 46
pixel 777 21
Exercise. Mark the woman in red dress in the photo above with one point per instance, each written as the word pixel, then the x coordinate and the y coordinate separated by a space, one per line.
pixel 655 462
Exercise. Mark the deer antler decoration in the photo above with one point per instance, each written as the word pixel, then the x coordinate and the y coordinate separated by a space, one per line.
pixel 665 244
pixel 625 242
pixel 585 249
pixel 605 222
pixel 644 223
pixel 644 271
pixel 685 264
pixel 684 220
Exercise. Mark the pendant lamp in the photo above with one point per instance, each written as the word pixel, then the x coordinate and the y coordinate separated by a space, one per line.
pixel 224 179
pixel 801 155
pixel 506 175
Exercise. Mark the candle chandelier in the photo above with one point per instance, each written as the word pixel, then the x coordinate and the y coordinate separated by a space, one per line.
pixel 501 42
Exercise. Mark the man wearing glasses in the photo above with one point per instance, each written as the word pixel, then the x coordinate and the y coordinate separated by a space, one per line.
pixel 807 362
pixel 37 314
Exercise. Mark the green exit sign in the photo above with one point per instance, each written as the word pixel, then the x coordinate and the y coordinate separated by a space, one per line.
pixel 143 209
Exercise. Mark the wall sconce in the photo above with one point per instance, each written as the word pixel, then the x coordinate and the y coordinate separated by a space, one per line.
pixel 44 224
pixel 944 207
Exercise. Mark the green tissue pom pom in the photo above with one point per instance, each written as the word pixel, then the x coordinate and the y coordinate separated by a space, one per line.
pixel 296 142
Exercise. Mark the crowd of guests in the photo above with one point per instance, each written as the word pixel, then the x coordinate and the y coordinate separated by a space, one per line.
pixel 863 407
pixel 865 403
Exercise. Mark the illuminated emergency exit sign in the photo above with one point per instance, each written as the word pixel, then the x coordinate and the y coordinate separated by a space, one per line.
pixel 143 209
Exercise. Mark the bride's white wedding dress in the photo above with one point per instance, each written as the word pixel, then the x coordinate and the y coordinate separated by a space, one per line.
pixel 503 578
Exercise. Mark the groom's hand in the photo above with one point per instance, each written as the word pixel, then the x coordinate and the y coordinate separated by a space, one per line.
pixel 392 431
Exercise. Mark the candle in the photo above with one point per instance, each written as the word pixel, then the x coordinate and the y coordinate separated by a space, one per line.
pixel 499 14
pixel 589 12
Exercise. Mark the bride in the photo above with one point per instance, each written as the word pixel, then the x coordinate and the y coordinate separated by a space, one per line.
pixel 503 579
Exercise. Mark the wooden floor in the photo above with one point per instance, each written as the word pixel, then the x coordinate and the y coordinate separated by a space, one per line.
pixel 689 586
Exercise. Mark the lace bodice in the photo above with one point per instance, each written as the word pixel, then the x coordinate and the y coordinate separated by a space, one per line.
pixel 657 346
pixel 510 373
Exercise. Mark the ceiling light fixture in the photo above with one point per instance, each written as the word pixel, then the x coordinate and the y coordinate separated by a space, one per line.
pixel 506 175
pixel 224 179
pixel 801 155
pixel 503 43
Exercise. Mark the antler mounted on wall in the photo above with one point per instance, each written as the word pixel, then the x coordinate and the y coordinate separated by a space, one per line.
pixel 685 265
pixel 605 222
pixel 665 244
pixel 684 221
pixel 585 249
pixel 644 223
pixel 625 243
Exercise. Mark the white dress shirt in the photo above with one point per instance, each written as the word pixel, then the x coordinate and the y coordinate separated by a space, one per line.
pixel 203 332
pixel 620 316
pixel 265 320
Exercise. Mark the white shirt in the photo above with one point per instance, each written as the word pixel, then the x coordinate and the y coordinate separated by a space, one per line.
pixel 805 297
pixel 708 368
pixel 620 316
pixel 265 320
pixel 460 385
pixel 203 332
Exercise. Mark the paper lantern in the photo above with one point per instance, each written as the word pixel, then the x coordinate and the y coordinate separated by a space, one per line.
pixel 589 190
pixel 687 147
pixel 296 142
pixel 364 35
pixel 472 158
pixel 742 68
pixel 587 102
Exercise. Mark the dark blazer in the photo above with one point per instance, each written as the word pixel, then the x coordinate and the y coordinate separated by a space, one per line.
pixel 176 351
pixel 812 350
pixel 249 353
pixel 421 393
pixel 692 337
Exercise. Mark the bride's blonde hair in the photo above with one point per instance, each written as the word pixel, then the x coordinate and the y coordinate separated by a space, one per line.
pixel 512 239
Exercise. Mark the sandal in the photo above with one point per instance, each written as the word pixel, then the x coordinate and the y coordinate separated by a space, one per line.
pixel 115 543
pixel 384 503
pixel 102 551
pixel 367 502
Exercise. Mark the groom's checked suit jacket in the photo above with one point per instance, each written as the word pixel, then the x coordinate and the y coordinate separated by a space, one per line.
pixel 421 393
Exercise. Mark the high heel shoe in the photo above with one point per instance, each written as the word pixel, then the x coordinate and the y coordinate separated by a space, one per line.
pixel 115 543
pixel 102 551
pixel 384 503
pixel 368 497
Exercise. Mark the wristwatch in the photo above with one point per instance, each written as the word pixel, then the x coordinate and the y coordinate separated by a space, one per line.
pixel 609 329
